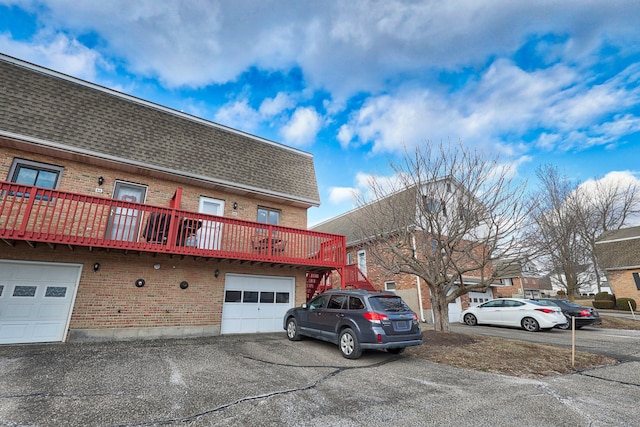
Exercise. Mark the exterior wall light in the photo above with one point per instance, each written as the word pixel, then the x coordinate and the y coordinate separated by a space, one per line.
pixel 184 284
pixel 216 273
pixel 101 180
pixel 235 205
pixel 140 283
pixel 96 267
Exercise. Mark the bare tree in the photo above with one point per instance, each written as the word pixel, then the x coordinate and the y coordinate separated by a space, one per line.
pixel 604 205
pixel 556 229
pixel 446 215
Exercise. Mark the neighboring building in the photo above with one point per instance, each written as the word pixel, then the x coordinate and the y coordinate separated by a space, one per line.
pixel 618 254
pixel 410 287
pixel 586 282
pixel 121 218
pixel 519 279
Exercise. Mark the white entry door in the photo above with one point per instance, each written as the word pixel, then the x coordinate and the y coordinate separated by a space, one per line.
pixel 36 300
pixel 124 222
pixel 210 234
pixel 255 303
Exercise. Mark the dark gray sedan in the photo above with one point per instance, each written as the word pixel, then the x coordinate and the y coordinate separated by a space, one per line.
pixel 356 320
pixel 584 316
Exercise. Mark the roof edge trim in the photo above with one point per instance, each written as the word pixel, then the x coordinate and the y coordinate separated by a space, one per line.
pixel 621 239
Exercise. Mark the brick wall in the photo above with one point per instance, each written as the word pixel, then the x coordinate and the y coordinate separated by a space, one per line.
pixel 109 298
pixel 623 285
pixel 83 179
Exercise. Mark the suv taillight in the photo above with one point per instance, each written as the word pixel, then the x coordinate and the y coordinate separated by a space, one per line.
pixel 374 317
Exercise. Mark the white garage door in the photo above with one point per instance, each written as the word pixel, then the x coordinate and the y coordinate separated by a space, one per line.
pixel 255 303
pixel 455 310
pixel 36 300
pixel 477 298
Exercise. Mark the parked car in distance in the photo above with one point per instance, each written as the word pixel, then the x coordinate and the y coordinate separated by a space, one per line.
pixel 356 320
pixel 527 314
pixel 584 316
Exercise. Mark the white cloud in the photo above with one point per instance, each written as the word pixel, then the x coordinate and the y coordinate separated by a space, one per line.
pixel 611 180
pixel 273 106
pixel 344 47
pixel 302 127
pixel 338 195
pixel 238 114
pixel 392 54
pixel 59 52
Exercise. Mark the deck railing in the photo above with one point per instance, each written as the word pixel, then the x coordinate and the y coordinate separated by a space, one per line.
pixel 37 214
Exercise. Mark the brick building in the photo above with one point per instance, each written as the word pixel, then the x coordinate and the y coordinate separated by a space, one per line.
pixel 121 218
pixel 618 254
pixel 400 210
pixel 519 279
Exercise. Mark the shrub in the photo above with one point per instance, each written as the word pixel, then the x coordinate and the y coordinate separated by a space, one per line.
pixel 623 304
pixel 605 296
pixel 604 304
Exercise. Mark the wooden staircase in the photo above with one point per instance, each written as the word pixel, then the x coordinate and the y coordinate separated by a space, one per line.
pixel 351 277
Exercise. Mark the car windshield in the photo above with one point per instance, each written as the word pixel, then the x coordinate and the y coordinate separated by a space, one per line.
pixel 388 303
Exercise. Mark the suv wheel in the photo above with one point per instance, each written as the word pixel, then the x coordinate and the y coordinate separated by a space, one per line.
pixel 292 330
pixel 349 345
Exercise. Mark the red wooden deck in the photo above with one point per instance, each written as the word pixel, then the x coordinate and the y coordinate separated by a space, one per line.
pixel 34 214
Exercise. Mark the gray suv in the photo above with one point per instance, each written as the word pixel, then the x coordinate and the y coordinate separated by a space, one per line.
pixel 356 320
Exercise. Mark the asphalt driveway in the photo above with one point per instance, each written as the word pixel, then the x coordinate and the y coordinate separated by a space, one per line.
pixel 265 380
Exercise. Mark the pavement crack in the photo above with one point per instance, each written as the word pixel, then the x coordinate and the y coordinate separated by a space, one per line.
pixel 609 379
pixel 336 370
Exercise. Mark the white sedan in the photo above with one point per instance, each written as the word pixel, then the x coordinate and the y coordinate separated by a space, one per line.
pixel 525 313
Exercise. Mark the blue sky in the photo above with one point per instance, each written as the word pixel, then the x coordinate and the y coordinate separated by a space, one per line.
pixel 356 82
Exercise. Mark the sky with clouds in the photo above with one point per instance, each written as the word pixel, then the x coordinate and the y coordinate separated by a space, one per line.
pixel 356 82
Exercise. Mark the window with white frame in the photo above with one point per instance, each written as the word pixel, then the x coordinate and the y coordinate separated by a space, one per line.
pixel 349 258
pixel 362 261
pixel 390 285
pixel 507 282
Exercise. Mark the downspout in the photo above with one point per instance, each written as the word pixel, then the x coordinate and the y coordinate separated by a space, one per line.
pixel 413 248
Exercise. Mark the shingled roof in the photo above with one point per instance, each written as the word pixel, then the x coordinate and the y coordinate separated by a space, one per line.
pixel 619 249
pixel 51 109
pixel 350 223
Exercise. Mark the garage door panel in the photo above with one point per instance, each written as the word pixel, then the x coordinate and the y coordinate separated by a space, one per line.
pixel 36 300
pixel 46 331
pixel 13 332
pixel 53 312
pixel 19 311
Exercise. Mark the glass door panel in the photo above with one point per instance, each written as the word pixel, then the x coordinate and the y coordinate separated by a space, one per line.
pixel 124 222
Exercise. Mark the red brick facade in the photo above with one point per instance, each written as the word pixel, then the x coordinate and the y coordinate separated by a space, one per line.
pixel 108 298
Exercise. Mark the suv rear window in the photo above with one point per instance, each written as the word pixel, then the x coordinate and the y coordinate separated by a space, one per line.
pixel 388 303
